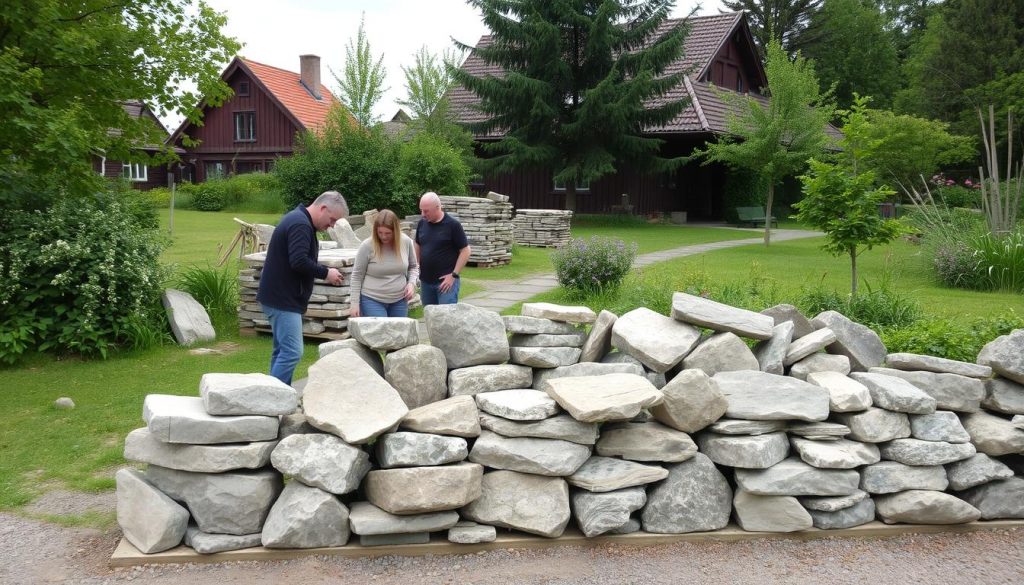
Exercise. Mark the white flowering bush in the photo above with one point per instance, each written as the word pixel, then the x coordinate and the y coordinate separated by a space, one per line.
pixel 594 263
pixel 81 276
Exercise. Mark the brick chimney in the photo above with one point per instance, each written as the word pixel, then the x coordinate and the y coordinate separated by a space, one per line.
pixel 309 74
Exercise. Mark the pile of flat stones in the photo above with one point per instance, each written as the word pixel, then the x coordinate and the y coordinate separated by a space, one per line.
pixel 542 228
pixel 487 222
pixel 616 424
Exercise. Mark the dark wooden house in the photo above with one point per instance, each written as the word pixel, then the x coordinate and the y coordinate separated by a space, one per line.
pixel 259 123
pixel 139 175
pixel 720 55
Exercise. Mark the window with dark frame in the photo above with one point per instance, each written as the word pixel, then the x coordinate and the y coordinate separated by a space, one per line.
pixel 243 88
pixel 245 126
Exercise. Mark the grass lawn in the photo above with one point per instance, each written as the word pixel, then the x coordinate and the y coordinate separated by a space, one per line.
pixel 197 234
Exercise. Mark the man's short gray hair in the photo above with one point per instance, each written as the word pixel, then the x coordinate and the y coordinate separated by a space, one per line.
pixel 334 200
pixel 430 197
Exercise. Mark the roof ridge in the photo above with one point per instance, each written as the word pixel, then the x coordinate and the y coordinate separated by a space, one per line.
pixel 696 104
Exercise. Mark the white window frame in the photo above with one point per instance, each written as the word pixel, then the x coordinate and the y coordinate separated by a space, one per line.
pixel 580 187
pixel 135 172
pixel 239 120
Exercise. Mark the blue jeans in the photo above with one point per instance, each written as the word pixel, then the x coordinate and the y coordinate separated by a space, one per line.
pixel 430 294
pixel 373 308
pixel 286 329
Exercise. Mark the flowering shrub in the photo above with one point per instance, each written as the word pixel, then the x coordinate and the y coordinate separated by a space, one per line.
pixel 955 264
pixel 81 276
pixel 591 264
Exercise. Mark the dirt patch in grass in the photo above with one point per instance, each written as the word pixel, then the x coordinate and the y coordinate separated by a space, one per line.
pixel 62 502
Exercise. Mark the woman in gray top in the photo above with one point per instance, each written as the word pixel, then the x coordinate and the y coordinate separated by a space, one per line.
pixel 385 272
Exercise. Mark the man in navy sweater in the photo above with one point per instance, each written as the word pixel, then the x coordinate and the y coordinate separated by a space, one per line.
pixel 288 273
pixel 442 249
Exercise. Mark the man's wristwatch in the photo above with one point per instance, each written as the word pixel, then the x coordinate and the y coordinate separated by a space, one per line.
pixel 455 274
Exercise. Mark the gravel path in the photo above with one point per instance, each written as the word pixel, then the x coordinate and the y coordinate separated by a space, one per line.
pixel 37 552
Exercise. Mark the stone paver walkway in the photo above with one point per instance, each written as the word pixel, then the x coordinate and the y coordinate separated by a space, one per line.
pixel 502 294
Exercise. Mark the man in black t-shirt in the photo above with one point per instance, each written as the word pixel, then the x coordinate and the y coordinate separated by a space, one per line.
pixel 442 250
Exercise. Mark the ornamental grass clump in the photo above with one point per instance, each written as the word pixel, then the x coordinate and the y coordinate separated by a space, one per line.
pixel 593 264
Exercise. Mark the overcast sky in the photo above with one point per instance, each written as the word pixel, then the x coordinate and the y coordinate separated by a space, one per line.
pixel 276 32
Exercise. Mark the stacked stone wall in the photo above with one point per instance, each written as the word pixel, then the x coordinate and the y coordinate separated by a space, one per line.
pixel 542 228
pixel 560 417
pixel 488 225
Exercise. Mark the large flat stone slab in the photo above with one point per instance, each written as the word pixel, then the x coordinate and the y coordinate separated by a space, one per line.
pixel 840 454
pixel 563 313
pixel 417 490
pixel 860 513
pixel 691 402
pixel 599 342
pixel 895 394
pixel 722 352
pixel 887 477
pixel 993 435
pixel 384 333
pixel 1005 396
pixel 605 474
pixel 645 441
pixel 918 452
pixel 244 394
pixel 857 342
pixel 751 452
pixel 756 395
pixel 757 513
pixel 808 344
pixel 575 339
pixel 323 461
pixel 1003 498
pixel 468 335
pixel 347 397
pixel 563 427
pixel 928 363
pixel 785 313
pixel 206 543
pixel 542 376
pixel 544 357
pixel 405 449
pixel 941 425
pixel 366 519
pixel 419 373
pixel 148 518
pixel 518 405
pixel 924 507
pixel 234 502
pixel 477 379
pixel 549 457
pixel 875 425
pixel 531 325
pixel 457 416
pixel 976 470
pixel 695 497
pixel 1005 355
pixel 659 342
pixel 793 477
pixel 844 393
pixel 190 323
pixel 720 317
pixel 140 445
pixel 183 419
pixel 531 503
pixel 604 398
pixel 371 357
pixel 772 351
pixel 950 391
pixel 820 362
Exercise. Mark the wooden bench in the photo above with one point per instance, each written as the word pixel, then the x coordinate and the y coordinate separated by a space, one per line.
pixel 753 216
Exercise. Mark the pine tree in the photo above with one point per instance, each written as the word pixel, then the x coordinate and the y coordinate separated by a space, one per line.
pixel 785 21
pixel 579 76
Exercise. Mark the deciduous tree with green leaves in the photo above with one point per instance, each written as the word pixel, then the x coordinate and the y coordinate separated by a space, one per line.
pixel 580 76
pixel 785 21
pixel 777 139
pixel 361 83
pixel 427 83
pixel 67 70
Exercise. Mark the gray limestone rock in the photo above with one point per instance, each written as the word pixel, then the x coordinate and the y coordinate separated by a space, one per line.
pixel 549 457
pixel 234 502
pixel 632 525
pixel 183 419
pixel 1005 396
pixel 993 435
pixel 575 339
pixel 818 431
pixel 646 441
pixel 793 477
pixel 857 342
pixel 563 313
pixel 659 342
pixel 840 454
pixel 189 321
pixel 1005 355
pixel 394 539
pixel 896 394
pixel 384 333
pixel 756 395
pixel 366 519
pixel 942 425
pixel 844 393
pixel 695 497
pixel 721 352
pixel 692 401
pixel 757 513
pixel 322 461
pixel 544 357
pixel 918 452
pixel 771 352
pixel 471 533
pixel 306 517
pixel 563 427
pixel 820 362
pixel 1018 421
pixel 604 398
pixel 729 426
pixel 714 315
pixel 419 373
pixel 860 513
pixel 597 513
pixel 468 335
pixel 404 449
pixel 605 474
pixel 887 477
pixel 531 503
pixel 150 520
pixel 1003 498
pixel 924 507
pixel 950 391
pixel 976 470
pixel 543 376
pixel 752 452
pixel 206 543
pixel 416 490
pixel 477 379
pixel 832 503
pixel 532 325
pixel 344 235
pixel 927 363
pixel 346 397
pixel 789 314
pixel 808 344
pixel 371 357
pixel 520 405
pixel 457 416
pixel 599 342
pixel 875 425
pixel 140 445
pixel 244 394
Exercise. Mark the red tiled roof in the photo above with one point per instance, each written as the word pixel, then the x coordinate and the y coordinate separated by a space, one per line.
pixel 289 91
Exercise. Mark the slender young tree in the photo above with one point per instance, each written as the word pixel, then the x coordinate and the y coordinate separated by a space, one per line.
pixel 427 83
pixel 361 84
pixel 776 140
pixel 785 21
pixel 582 81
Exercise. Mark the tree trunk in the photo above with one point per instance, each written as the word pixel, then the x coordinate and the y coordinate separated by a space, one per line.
pixel 768 213
pixel 853 272
pixel 570 197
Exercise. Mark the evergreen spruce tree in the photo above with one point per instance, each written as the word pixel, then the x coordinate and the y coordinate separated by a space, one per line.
pixel 579 80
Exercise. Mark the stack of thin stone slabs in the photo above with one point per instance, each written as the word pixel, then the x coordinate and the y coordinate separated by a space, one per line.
pixel 488 225
pixel 542 228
